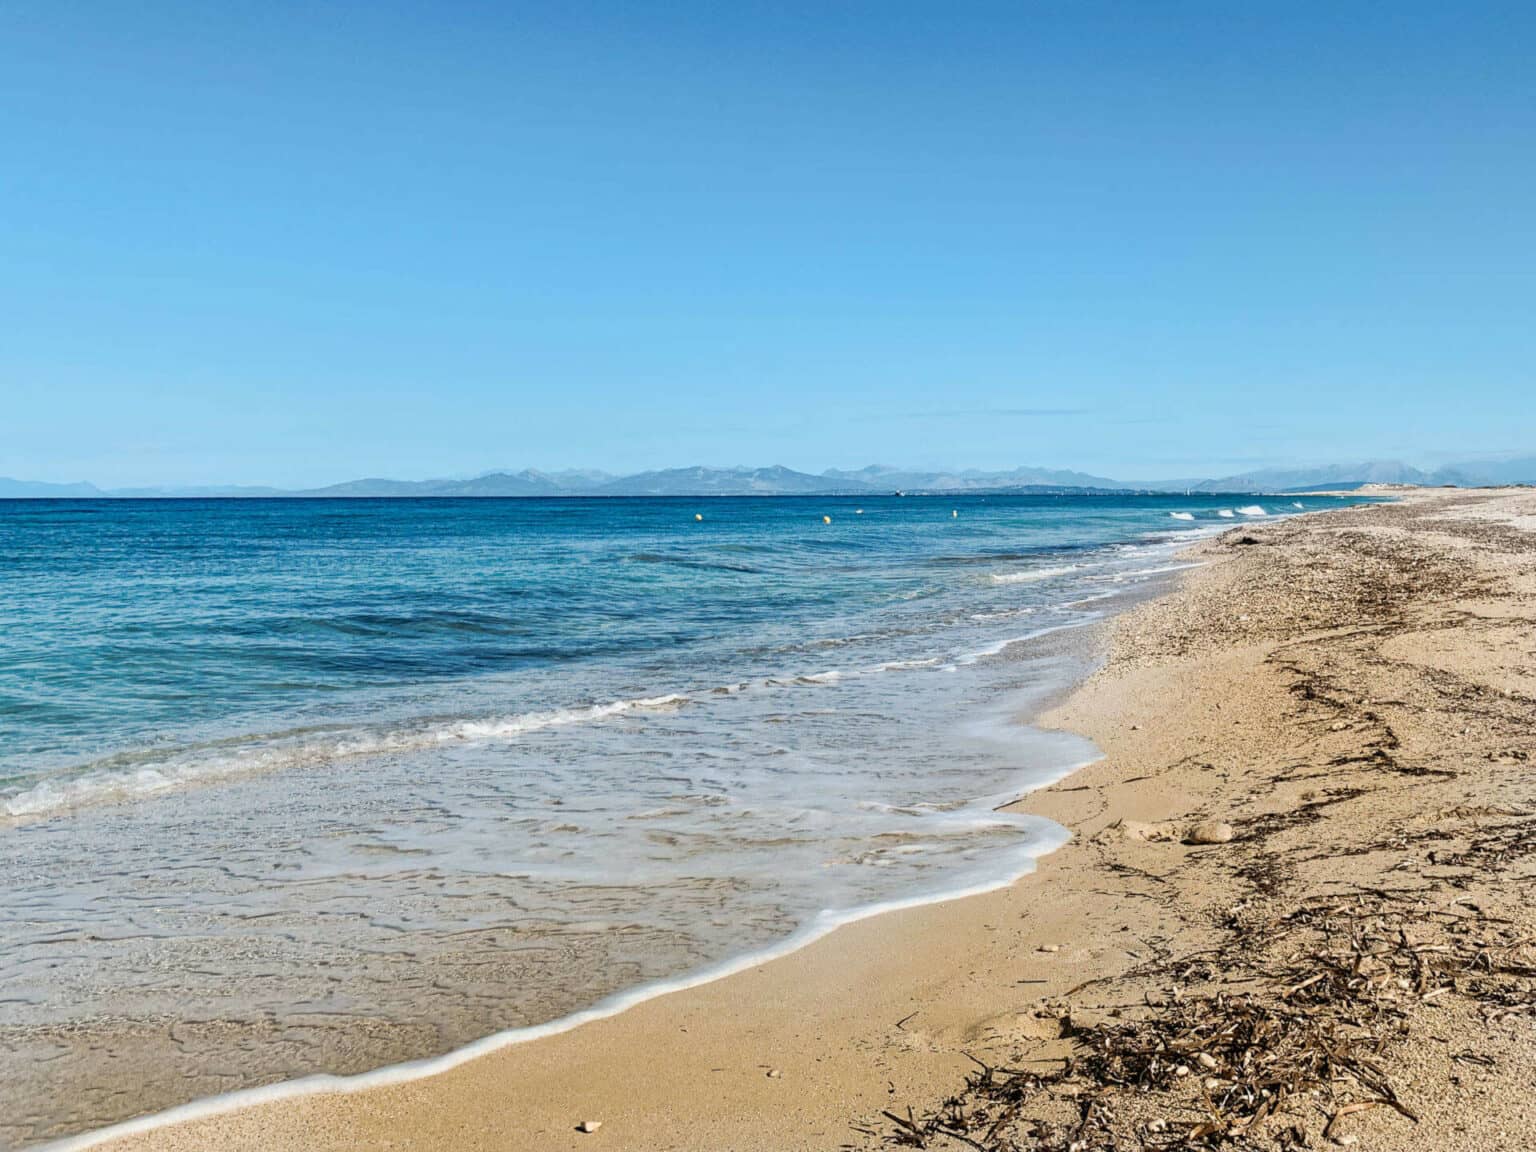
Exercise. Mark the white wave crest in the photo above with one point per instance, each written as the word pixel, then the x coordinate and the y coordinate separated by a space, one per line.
pixel 1252 510
pixel 195 765
pixel 1182 515
pixel 829 677
pixel 1033 574
pixel 903 665
pixel 1226 513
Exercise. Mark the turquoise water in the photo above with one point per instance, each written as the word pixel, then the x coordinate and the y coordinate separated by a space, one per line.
pixel 358 781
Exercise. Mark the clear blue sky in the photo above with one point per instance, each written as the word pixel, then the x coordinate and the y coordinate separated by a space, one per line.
pixel 298 243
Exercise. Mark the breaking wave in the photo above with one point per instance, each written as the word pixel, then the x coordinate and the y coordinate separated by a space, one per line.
pixel 132 775
pixel 1032 574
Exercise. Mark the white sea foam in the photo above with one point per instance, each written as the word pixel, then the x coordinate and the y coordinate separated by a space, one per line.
pixel 1226 513
pixel 1157 571
pixel 903 665
pixel 829 677
pixel 1006 614
pixel 285 751
pixel 989 650
pixel 997 648
pixel 1252 510
pixel 1090 599
pixel 1182 515
pixel 1029 575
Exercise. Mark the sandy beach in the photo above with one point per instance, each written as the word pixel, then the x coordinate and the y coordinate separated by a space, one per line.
pixel 1292 910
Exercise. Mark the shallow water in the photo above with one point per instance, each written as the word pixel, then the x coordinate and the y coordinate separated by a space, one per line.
pixel 297 786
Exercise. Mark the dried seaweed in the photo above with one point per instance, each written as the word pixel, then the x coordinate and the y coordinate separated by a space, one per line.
pixel 1202 1066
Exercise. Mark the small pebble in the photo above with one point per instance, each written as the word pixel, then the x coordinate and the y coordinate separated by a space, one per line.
pixel 774 1074
pixel 1050 948
pixel 589 1126
pixel 1210 832
pixel 1181 1070
pixel 1206 1060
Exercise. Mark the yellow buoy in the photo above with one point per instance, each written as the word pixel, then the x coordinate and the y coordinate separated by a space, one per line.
pixel 698 515
pixel 826 519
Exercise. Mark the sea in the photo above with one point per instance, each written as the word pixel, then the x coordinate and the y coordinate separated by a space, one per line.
pixel 317 786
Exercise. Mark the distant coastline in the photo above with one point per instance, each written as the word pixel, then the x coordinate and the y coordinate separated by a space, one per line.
pixel 875 480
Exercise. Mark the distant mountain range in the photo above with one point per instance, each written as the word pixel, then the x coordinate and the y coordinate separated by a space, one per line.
pixel 780 481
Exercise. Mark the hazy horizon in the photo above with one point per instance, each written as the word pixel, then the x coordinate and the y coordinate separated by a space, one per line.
pixel 1347 470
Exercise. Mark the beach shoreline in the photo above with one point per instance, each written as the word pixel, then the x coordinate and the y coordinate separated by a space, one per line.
pixel 536 843
pixel 888 1011
pixel 1079 647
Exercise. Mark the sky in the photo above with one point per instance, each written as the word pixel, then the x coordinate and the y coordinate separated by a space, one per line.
pixel 292 244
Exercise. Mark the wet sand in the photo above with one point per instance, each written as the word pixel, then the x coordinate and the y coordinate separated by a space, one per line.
pixel 1353 693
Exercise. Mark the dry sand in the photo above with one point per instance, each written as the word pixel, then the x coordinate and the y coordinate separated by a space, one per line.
pixel 1354 693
